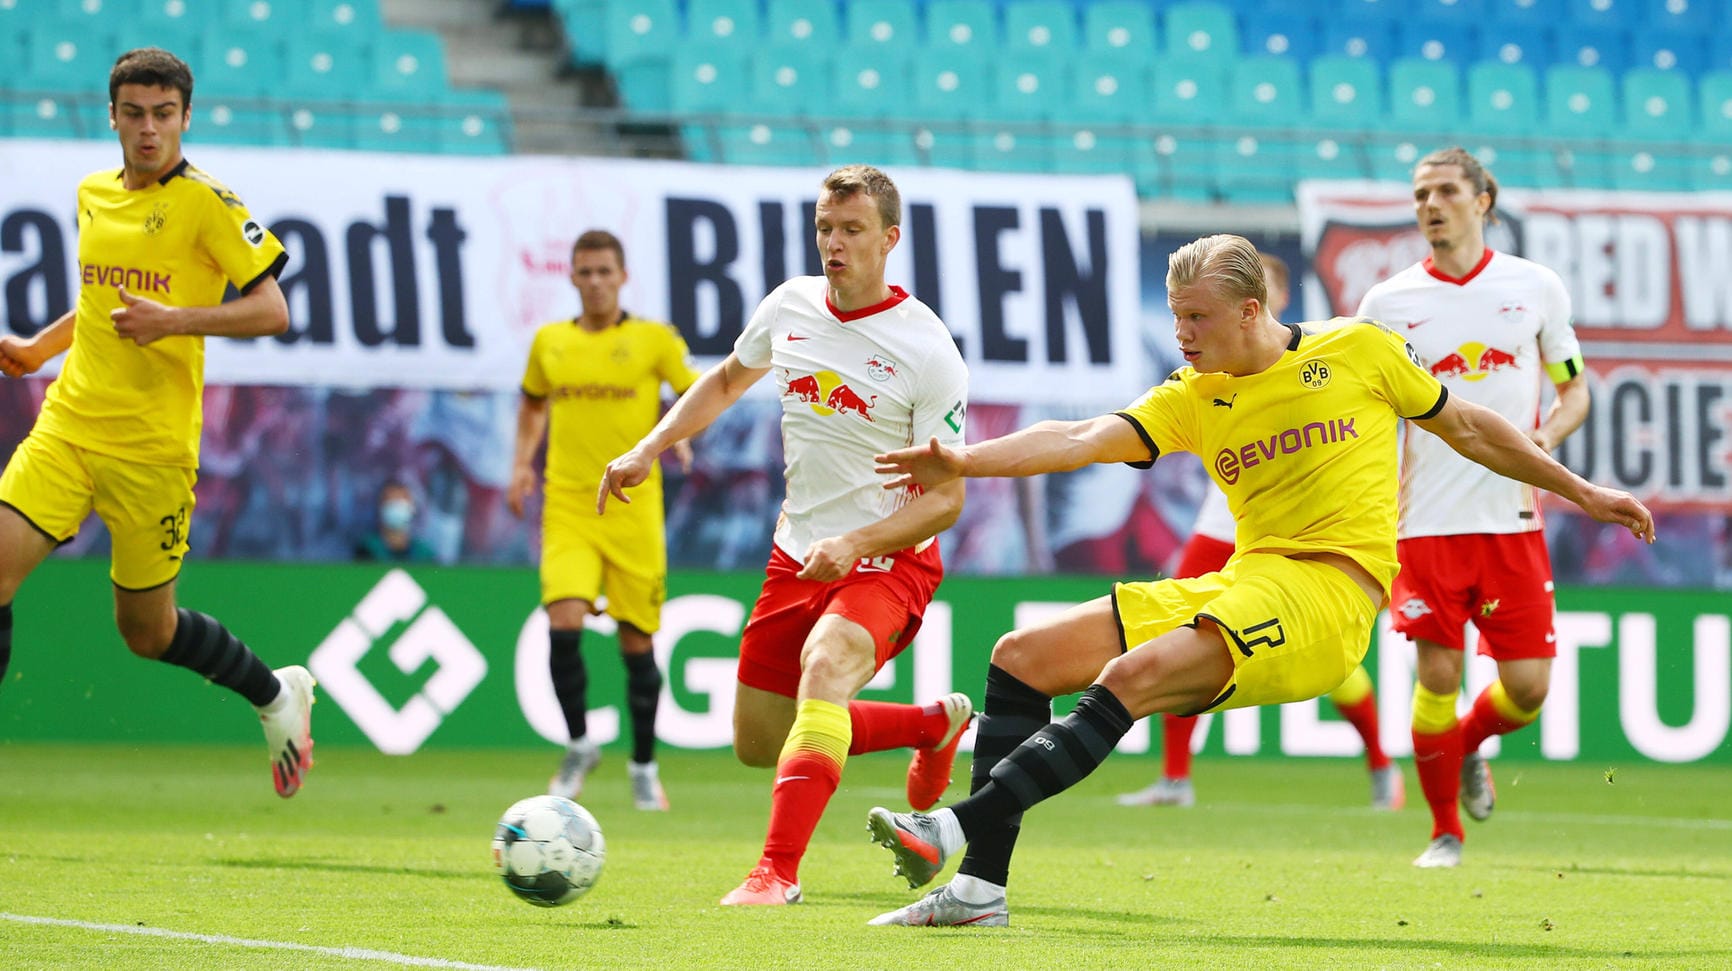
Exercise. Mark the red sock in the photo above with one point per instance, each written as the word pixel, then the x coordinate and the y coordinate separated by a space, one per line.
pixel 881 725
pixel 1438 760
pixel 805 782
pixel 1484 721
pixel 1176 745
pixel 1363 716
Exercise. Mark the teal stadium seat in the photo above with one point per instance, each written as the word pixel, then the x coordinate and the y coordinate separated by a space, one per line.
pixel 282 18
pixel 1040 25
pixel 44 115
pixel 474 123
pixel 1581 103
pixel 238 64
pixel 1345 92
pixel 767 144
pixel 408 64
pixel 221 118
pixel 869 84
pixel 1200 29
pixel 1027 86
pixel 1658 105
pixel 790 81
pixel 1711 167
pixel 71 58
pixel 728 23
pixel 584 24
pixel 883 23
pixel 950 83
pixel 706 79
pixel 804 23
pixel 1107 91
pixel 640 33
pixel 962 23
pixel 1263 92
pixel 1502 99
pixel 177 13
pixel 1184 91
pixel 1119 25
pixel 320 125
pixel 360 17
pixel 326 66
pixel 1424 95
pixel 102 16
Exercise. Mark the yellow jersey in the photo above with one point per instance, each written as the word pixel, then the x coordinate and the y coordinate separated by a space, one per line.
pixel 604 394
pixel 1307 450
pixel 179 241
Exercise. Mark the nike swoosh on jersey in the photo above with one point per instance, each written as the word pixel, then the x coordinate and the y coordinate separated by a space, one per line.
pixel 1417 323
pixel 795 337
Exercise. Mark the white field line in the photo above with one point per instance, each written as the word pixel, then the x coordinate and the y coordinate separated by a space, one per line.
pixel 1582 819
pixel 353 953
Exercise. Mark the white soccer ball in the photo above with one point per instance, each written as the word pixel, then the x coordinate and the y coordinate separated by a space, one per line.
pixel 548 850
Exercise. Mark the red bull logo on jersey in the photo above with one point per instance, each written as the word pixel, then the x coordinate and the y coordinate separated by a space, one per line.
pixel 132 278
pixel 1231 462
pixel 828 394
pixel 1472 362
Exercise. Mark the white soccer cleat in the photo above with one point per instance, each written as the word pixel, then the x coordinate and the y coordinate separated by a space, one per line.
pixel 913 838
pixel 1162 792
pixel 941 908
pixel 1478 795
pixel 288 721
pixel 581 758
pixel 1445 851
pixel 1388 788
pixel 646 787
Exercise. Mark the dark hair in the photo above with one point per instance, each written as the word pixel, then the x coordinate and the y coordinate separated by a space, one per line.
pixel 848 180
pixel 595 239
pixel 1472 170
pixel 152 67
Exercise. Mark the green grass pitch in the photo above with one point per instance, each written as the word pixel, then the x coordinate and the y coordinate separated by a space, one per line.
pixel 383 862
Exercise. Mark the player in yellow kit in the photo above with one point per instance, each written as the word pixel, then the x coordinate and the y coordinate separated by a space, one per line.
pixel 1299 430
pixel 158 242
pixel 596 382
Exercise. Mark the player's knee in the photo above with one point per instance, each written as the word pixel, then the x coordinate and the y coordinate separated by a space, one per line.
pixel 757 752
pixel 145 637
pixel 1017 655
pixel 1528 695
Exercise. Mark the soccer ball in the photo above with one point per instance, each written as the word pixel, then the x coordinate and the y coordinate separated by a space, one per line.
pixel 548 850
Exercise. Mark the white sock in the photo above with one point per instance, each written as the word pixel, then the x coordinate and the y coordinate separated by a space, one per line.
pixel 950 837
pixel 973 890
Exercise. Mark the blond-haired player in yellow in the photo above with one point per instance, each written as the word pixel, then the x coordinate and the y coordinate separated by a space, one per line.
pixel 596 379
pixel 1306 453
pixel 158 242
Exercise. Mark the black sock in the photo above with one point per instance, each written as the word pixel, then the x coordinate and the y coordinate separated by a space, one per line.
pixel 5 639
pixel 643 689
pixel 1051 761
pixel 202 644
pixel 1012 712
pixel 570 679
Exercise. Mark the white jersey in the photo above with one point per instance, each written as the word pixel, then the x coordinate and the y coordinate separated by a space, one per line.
pixel 853 384
pixel 1493 337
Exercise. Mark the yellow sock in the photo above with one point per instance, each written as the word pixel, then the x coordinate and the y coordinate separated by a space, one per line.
pixel 820 728
pixel 1352 691
pixel 1507 707
pixel 1433 714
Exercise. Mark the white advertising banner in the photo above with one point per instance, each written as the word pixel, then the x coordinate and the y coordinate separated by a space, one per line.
pixel 432 272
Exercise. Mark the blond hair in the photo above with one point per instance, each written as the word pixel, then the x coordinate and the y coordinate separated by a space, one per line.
pixel 848 180
pixel 1230 265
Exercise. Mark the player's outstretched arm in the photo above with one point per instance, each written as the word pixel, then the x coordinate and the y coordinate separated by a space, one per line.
pixel 1488 438
pixel 693 412
pixel 260 312
pixel 1048 446
pixel 26 355
pixel 531 429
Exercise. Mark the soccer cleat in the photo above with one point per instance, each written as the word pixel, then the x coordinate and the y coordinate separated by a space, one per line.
pixel 646 787
pixel 762 889
pixel 288 722
pixel 940 908
pixel 581 758
pixel 929 771
pixel 1445 851
pixel 1478 795
pixel 1388 788
pixel 1162 792
pixel 913 838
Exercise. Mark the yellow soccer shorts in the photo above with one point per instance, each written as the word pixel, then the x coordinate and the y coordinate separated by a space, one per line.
pixel 147 508
pixel 1295 628
pixel 622 554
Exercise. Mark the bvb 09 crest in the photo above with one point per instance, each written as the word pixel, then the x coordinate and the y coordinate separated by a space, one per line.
pixel 156 219
pixel 1314 374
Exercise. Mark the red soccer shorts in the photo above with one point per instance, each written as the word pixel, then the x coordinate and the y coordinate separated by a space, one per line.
pixel 1203 554
pixel 887 595
pixel 1502 582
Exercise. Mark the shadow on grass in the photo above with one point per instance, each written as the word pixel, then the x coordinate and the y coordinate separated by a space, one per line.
pixel 1141 920
pixel 1670 873
pixel 327 866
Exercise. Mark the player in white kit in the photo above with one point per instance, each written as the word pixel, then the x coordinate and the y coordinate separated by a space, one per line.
pixel 1492 327
pixel 863 368
pixel 1207 551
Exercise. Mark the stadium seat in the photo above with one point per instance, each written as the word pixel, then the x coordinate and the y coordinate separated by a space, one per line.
pixel 64 57
pixel 789 80
pixel 1187 91
pixel 1085 150
pixel 883 23
pixel 283 18
pixel 322 126
pixel 1511 44
pixel 238 64
pixel 707 78
pixel 1374 39
pixel 1264 92
pixel 394 127
pixel 765 144
pixel 1282 34
pixel 640 33
pixel 325 66
pixel 962 23
pixel 873 143
pixel 1657 104
pixel 731 23
pixel 474 123
pixel 949 83
pixel 1010 150
pixel 103 16
pixel 180 37
pixel 1471 12
pixel 1376 10
pixel 1581 102
pixel 1525 13
pixel 1610 14
pixel 1176 167
pixel 360 17
pixel 1686 15
pixel 1711 165
pixel 1252 169
pixel 1502 99
pixel 1391 157
pixel 1669 50
pixel 1719 51
pixel 870 83
pixel 1434 40
pixel 804 23
pixel 584 23
pixel 1119 25
pixel 1424 95
pixel 1108 89
pixel 1040 25
pixel 218 119
pixel 408 63
pixel 1345 92
pixel 1592 47
pixel 1196 28
pixel 1029 86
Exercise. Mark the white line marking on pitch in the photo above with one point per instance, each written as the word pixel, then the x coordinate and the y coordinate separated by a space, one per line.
pixel 1586 819
pixel 355 953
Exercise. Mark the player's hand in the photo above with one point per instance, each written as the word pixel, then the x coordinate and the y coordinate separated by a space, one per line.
pixel 19 357
pixel 924 467
pixel 1539 437
pixel 1620 508
pixel 522 484
pixel 142 320
pixel 683 454
pixel 621 474
pixel 829 559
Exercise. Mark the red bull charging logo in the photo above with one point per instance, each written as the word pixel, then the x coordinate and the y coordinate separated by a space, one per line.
pixel 828 394
pixel 1472 362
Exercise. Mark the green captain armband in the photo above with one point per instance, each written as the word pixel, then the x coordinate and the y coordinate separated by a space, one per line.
pixel 1561 371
